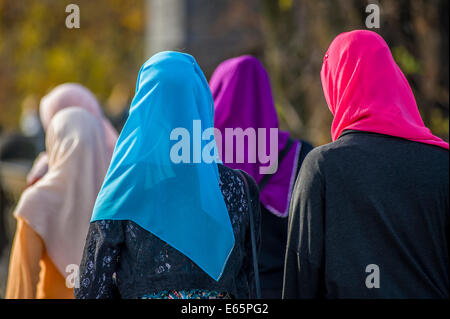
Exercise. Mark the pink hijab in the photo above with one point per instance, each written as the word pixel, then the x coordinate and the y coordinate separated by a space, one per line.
pixel 366 90
pixel 59 206
pixel 61 97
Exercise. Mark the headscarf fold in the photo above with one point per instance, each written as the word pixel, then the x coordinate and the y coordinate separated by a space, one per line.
pixel 243 99
pixel 366 90
pixel 59 206
pixel 180 203
pixel 61 97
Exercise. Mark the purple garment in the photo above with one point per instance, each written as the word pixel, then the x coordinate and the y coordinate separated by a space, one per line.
pixel 243 98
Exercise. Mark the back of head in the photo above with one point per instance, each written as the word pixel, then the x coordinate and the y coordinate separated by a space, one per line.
pixel 242 94
pixel 75 135
pixel 179 202
pixel 67 95
pixel 366 90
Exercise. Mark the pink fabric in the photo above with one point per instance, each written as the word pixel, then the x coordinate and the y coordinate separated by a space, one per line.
pixel 366 90
pixel 40 167
pixel 59 206
pixel 63 96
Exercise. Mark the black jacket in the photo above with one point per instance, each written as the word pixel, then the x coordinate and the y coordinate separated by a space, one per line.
pixel 121 259
pixel 370 219
pixel 273 244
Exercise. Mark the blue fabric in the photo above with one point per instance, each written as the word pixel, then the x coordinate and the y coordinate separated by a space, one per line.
pixel 182 203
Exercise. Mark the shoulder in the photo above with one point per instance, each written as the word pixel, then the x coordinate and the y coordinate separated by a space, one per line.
pixel 328 153
pixel 317 157
pixel 317 162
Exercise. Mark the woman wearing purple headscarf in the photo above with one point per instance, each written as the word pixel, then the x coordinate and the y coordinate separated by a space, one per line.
pixel 243 99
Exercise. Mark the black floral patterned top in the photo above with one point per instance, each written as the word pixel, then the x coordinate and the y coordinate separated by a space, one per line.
pixel 123 260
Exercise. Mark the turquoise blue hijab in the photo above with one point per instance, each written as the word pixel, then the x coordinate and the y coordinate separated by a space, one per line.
pixel 180 203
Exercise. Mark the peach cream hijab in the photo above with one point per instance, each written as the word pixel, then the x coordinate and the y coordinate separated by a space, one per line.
pixel 61 97
pixel 59 206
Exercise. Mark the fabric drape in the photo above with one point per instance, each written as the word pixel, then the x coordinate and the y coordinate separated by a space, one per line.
pixel 59 206
pixel 61 97
pixel 366 90
pixel 177 199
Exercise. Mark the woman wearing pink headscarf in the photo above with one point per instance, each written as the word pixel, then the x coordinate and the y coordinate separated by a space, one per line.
pixel 61 97
pixel 369 216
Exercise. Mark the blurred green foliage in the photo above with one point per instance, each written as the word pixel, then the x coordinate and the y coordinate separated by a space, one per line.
pixel 297 34
pixel 407 62
pixel 38 52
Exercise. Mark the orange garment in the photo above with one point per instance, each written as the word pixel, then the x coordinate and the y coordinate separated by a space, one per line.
pixel 31 272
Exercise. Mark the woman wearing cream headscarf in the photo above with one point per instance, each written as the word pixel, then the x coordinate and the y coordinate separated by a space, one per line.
pixel 54 213
pixel 61 97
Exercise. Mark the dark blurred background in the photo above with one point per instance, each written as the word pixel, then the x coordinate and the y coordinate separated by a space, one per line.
pixel 290 37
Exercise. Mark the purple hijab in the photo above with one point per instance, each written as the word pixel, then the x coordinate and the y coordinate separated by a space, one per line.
pixel 243 98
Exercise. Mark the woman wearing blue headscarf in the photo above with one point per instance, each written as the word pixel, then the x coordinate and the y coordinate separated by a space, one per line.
pixel 167 225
